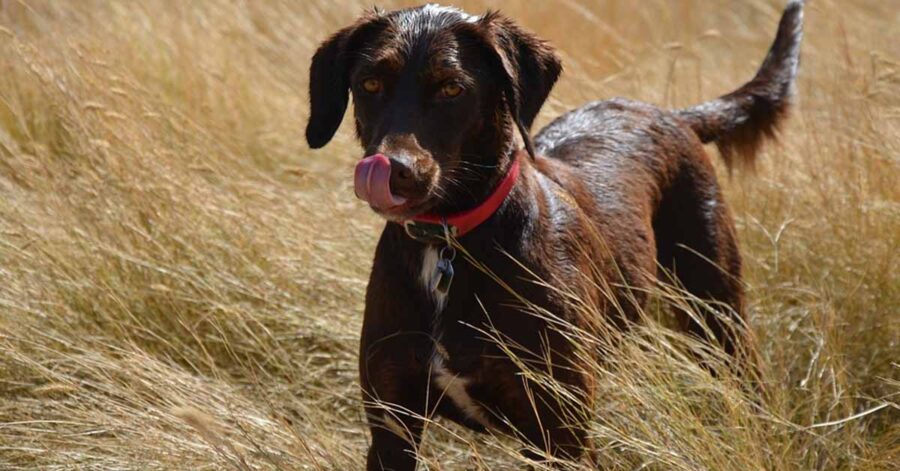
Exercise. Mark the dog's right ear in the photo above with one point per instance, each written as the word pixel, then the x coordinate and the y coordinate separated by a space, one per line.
pixel 329 80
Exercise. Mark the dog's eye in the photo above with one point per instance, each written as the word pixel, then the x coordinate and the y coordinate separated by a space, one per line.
pixel 371 85
pixel 451 90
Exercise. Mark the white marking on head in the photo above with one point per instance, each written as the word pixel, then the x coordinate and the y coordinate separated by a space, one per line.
pixel 435 8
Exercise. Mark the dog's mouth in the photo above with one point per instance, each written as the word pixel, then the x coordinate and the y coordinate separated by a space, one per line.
pixel 372 184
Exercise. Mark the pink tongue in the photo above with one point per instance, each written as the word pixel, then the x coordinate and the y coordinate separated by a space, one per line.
pixel 372 182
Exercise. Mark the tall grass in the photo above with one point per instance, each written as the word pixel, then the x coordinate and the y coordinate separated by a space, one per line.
pixel 181 279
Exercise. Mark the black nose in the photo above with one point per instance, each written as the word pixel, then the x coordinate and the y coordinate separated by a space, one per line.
pixel 402 175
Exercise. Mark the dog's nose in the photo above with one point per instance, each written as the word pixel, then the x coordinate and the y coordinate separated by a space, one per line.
pixel 403 180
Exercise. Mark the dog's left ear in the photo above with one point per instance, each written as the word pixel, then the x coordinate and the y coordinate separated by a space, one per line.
pixel 529 69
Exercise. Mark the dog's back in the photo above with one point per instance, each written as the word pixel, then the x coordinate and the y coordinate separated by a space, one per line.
pixel 646 165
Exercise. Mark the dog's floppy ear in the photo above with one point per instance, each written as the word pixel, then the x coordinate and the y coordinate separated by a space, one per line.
pixel 529 67
pixel 329 80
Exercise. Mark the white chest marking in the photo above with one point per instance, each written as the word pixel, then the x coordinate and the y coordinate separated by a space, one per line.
pixel 428 277
pixel 450 384
pixel 454 387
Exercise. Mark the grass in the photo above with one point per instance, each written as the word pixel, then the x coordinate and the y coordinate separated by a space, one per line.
pixel 181 279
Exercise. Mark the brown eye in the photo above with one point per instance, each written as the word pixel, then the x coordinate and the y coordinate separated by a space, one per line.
pixel 451 90
pixel 371 85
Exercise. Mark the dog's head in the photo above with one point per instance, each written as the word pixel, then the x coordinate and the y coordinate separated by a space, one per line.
pixel 438 96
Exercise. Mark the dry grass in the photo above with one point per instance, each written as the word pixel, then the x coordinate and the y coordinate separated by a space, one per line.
pixel 181 279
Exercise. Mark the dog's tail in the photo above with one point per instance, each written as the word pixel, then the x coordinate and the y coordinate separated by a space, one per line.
pixel 740 121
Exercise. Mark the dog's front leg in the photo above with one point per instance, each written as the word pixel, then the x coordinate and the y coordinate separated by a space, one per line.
pixel 394 350
pixel 395 394
pixel 392 372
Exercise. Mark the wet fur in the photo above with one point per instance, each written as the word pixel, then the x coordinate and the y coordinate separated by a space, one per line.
pixel 618 193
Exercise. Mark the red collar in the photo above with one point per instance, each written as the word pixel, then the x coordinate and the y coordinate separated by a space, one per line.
pixel 429 226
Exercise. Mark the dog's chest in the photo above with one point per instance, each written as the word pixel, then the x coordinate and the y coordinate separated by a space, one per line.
pixel 451 384
pixel 428 278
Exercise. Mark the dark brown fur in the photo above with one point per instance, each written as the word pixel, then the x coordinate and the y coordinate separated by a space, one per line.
pixel 617 193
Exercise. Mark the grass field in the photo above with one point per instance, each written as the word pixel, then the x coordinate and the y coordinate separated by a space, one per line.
pixel 182 279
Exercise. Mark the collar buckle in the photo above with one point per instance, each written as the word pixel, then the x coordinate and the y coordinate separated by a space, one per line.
pixel 428 232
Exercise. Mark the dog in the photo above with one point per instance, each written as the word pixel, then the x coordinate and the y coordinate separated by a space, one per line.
pixel 616 194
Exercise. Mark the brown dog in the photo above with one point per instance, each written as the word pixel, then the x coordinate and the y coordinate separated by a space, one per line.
pixel 615 193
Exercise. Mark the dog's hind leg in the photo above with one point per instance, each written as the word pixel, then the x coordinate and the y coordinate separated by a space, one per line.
pixel 696 244
pixel 695 236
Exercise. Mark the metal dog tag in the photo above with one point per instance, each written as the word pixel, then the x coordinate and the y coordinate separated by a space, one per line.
pixel 444 274
pixel 443 271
